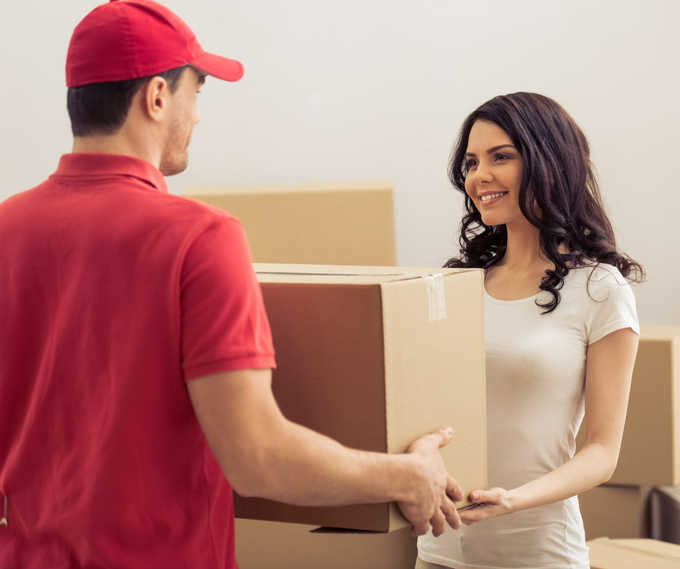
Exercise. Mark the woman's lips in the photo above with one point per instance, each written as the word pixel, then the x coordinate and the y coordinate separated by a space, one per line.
pixel 490 199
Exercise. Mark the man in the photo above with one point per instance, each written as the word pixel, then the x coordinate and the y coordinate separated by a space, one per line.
pixel 133 331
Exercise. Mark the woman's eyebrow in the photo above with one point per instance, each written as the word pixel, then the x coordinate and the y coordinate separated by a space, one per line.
pixel 492 150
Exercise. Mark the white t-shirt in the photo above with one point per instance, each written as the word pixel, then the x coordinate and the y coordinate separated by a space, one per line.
pixel 535 369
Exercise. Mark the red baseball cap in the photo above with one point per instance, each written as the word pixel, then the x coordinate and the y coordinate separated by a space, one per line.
pixel 129 39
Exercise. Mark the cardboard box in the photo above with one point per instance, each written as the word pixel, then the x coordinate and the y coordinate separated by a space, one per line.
pixel 375 358
pixel 616 511
pixel 330 224
pixel 650 451
pixel 272 545
pixel 665 514
pixel 633 554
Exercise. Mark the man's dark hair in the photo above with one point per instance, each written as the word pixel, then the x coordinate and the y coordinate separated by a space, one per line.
pixel 101 108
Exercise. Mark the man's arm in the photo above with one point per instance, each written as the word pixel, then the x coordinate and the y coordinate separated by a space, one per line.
pixel 263 454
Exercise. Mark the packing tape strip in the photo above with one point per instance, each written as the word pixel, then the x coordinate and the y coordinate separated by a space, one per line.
pixel 435 294
pixel 437 299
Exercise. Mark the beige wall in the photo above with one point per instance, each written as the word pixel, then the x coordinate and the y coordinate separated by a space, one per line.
pixel 368 89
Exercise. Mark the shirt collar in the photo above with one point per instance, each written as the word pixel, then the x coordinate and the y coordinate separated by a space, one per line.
pixel 83 164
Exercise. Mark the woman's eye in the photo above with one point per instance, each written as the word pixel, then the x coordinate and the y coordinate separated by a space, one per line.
pixel 500 157
pixel 470 163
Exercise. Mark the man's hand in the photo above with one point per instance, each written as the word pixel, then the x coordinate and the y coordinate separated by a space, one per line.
pixel 264 455
pixel 491 503
pixel 434 490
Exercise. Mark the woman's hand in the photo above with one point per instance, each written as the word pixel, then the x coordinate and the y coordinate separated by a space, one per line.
pixel 492 503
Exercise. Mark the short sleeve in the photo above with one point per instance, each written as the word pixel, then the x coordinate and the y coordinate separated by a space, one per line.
pixel 223 320
pixel 611 304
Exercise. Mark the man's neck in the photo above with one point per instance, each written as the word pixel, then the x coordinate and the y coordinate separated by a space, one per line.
pixel 115 144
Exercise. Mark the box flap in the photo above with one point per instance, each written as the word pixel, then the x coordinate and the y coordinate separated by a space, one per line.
pixel 340 531
pixel 344 274
pixel 633 554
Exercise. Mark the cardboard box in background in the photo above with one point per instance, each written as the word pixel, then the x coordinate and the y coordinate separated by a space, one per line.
pixel 665 514
pixel 650 451
pixel 272 545
pixel 375 357
pixel 616 512
pixel 633 554
pixel 331 224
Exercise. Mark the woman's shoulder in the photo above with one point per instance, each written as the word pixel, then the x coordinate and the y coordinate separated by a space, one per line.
pixel 603 272
pixel 608 300
pixel 599 279
pixel 598 272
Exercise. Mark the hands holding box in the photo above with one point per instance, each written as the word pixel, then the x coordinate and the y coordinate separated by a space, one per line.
pixel 265 455
pixel 433 505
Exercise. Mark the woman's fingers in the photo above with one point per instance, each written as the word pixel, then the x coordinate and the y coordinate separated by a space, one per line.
pixel 492 496
pixel 472 515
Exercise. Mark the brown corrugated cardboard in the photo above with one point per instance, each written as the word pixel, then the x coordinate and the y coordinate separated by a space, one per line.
pixel 633 554
pixel 616 511
pixel 272 545
pixel 332 224
pixel 375 357
pixel 665 514
pixel 650 451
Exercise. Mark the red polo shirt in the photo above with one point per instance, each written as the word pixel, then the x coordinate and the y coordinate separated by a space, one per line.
pixel 113 293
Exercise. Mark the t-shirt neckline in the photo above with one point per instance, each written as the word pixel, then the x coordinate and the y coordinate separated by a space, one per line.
pixel 506 302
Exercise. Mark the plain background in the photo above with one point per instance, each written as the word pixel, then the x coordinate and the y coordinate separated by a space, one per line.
pixel 374 89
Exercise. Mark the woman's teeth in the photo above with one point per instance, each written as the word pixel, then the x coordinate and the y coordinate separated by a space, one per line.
pixel 488 197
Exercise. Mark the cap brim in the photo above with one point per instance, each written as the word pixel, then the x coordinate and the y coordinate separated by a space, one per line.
pixel 218 66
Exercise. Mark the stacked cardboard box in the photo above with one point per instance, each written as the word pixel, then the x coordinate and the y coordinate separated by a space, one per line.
pixel 373 357
pixel 665 514
pixel 616 511
pixel 329 224
pixel 650 452
pixel 633 554
pixel 273 545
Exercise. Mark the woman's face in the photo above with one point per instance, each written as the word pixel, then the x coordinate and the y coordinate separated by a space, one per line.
pixel 494 174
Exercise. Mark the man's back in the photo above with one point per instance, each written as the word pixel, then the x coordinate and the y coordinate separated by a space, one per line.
pixel 105 296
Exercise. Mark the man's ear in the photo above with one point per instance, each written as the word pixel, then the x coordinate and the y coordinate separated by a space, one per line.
pixel 154 98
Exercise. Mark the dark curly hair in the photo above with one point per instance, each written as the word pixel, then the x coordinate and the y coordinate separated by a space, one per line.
pixel 557 177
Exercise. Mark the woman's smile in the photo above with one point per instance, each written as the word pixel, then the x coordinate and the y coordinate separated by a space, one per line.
pixel 487 199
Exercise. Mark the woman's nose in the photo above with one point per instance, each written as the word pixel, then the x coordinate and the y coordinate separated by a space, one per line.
pixel 482 173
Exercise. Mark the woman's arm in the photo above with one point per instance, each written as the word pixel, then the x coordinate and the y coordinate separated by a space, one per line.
pixel 609 369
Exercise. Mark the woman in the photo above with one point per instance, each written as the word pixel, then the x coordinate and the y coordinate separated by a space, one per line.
pixel 561 334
